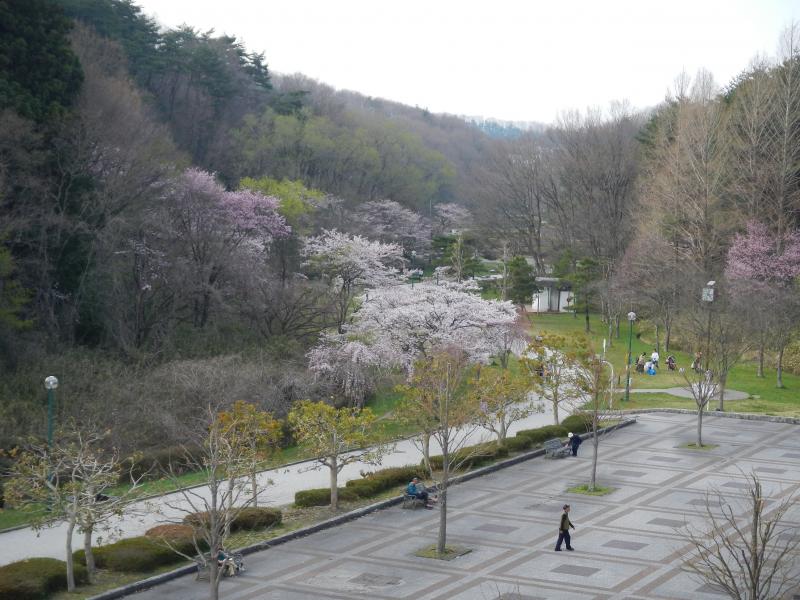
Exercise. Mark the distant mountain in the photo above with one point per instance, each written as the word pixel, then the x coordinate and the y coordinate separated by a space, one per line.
pixel 497 128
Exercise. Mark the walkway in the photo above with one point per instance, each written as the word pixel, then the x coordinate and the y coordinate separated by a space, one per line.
pixel 627 543
pixel 24 543
pixel 684 393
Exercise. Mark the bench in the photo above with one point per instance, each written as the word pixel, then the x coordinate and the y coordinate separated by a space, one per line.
pixel 555 449
pixel 412 502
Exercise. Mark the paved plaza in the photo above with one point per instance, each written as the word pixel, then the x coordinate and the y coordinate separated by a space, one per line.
pixel 628 544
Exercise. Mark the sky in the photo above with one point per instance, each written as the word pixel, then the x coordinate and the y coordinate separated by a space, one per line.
pixel 517 60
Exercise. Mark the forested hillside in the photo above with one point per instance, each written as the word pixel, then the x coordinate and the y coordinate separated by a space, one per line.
pixel 166 207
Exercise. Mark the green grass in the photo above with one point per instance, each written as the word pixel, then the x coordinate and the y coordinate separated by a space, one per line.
pixel 742 377
pixel 598 490
pixel 780 407
pixel 450 552
pixel 693 446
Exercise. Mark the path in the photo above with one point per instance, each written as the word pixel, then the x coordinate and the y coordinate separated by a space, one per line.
pixel 627 543
pixel 24 543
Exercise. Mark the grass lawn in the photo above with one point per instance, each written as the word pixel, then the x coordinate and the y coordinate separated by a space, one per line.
pixel 780 407
pixel 742 377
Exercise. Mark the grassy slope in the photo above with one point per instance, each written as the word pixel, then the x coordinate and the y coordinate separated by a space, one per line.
pixel 766 398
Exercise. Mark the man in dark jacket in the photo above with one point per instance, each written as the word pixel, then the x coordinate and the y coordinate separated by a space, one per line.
pixel 574 441
pixel 563 530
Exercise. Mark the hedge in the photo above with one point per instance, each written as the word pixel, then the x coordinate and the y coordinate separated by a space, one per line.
pixel 322 496
pixel 35 578
pixel 374 483
pixel 576 424
pixel 137 554
pixel 473 456
pixel 248 518
pixel 542 434
pixel 517 444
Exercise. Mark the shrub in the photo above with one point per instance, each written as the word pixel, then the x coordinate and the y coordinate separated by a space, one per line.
pixel 36 578
pixel 473 456
pixel 517 444
pixel 153 463
pixel 170 532
pixel 256 518
pixel 542 434
pixel 375 483
pixel 137 554
pixel 322 496
pixel 576 424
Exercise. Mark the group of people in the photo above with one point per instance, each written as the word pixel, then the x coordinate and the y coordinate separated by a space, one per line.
pixel 650 366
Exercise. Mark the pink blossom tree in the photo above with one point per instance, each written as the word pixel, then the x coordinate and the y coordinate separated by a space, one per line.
pixel 350 263
pixel 763 268
pixel 211 224
pixel 451 216
pixel 390 222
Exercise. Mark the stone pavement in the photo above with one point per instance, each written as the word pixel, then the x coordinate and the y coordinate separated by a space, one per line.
pixel 628 543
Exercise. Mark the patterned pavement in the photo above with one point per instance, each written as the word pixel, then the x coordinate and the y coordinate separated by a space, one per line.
pixel 628 544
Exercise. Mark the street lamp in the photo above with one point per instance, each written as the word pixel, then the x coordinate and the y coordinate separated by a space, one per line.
pixel 708 298
pixel 51 383
pixel 631 319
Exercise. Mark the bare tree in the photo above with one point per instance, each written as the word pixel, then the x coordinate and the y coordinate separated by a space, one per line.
pixel 749 555
pixel 703 387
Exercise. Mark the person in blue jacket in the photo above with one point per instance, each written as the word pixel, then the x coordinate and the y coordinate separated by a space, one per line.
pixel 416 489
pixel 574 441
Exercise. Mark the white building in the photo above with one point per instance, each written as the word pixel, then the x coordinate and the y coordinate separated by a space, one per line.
pixel 553 296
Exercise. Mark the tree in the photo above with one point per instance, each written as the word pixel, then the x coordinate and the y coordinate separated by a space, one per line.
pixel 67 481
pixel 253 434
pixel 591 393
pixel 746 549
pixel 503 398
pixel 549 363
pixel 349 262
pixel 399 324
pixel 390 222
pixel 40 75
pixel 224 470
pixel 766 266
pixel 703 387
pixel 338 436
pixel 449 216
pixel 522 281
pixel 438 401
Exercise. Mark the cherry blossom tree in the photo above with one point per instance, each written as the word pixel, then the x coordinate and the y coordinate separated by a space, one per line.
pixel 390 222
pixel 351 262
pixel 451 216
pixel 762 270
pixel 402 324
pixel 211 224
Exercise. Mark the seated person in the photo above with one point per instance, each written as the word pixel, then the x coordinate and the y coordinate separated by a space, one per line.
pixel 417 490
pixel 226 563
pixel 671 362
pixel 640 364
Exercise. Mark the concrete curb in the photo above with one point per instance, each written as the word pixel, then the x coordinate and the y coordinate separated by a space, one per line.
pixel 714 413
pixel 327 524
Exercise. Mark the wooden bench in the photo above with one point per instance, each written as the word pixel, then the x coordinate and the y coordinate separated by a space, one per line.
pixel 555 449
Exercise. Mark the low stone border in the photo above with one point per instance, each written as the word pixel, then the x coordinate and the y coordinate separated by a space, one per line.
pixel 714 413
pixel 328 523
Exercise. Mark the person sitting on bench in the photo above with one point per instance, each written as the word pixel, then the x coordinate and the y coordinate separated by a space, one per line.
pixel 417 490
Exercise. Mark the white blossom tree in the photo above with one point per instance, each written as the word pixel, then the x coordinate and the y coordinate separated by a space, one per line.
pixel 349 263
pixel 451 216
pixel 402 324
pixel 390 222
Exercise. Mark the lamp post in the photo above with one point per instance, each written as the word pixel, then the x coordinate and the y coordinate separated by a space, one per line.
pixel 631 319
pixel 708 298
pixel 51 383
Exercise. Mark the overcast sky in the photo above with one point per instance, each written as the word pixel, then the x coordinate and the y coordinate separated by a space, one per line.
pixel 509 59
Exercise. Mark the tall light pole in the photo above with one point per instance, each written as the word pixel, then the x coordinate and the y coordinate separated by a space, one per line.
pixel 51 383
pixel 708 298
pixel 631 319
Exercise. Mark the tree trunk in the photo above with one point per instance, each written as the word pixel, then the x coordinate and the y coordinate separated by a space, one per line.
pixel 70 562
pixel 658 338
pixel 87 550
pixel 588 329
pixel 617 321
pixel 761 342
pixel 213 577
pixel 334 466
pixel 700 427
pixel 502 432
pixel 610 333
pixel 723 378
pixel 442 540
pixel 555 411
pixel 426 451
pixel 254 486
pixel 779 382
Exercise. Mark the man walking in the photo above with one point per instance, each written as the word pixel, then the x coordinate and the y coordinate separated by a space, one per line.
pixel 574 441
pixel 563 530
